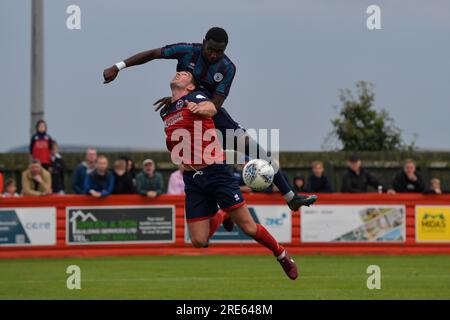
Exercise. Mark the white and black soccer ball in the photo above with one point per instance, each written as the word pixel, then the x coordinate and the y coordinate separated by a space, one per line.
pixel 258 174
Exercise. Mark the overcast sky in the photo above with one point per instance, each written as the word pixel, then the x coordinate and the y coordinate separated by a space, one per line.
pixel 292 57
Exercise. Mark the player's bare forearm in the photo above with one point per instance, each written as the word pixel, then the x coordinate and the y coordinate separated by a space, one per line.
pixel 111 73
pixel 143 57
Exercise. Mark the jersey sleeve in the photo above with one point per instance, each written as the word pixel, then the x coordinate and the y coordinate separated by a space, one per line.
pixel 176 51
pixel 197 97
pixel 223 89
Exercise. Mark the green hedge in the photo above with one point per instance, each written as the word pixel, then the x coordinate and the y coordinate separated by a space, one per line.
pixel 382 164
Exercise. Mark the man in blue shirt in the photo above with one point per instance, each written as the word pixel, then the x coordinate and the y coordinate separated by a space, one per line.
pixel 100 182
pixel 214 73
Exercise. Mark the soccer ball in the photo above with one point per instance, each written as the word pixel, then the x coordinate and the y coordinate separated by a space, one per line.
pixel 258 174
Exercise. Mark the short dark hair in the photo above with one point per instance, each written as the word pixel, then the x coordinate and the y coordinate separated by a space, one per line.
pixel 9 182
pixel 217 34
pixel 39 122
pixel 195 82
pixel 354 158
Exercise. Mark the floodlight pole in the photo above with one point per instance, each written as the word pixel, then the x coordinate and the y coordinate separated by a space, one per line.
pixel 37 63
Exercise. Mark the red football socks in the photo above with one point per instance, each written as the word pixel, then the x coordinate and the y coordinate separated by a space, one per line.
pixel 263 237
pixel 215 222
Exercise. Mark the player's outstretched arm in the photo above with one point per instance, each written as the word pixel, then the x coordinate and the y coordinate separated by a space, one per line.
pixel 111 73
pixel 205 109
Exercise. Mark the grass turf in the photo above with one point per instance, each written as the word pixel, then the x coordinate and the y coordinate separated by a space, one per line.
pixel 226 277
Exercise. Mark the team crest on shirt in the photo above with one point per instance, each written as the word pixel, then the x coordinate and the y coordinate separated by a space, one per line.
pixel 218 77
pixel 179 104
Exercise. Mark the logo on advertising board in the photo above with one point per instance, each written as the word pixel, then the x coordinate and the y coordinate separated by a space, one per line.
pixel 276 219
pixel 27 226
pixel 432 224
pixel 353 223
pixel 133 224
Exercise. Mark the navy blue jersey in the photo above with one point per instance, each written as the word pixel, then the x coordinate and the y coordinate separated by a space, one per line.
pixel 195 96
pixel 213 79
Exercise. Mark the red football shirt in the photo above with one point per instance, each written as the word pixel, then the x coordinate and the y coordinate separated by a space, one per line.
pixel 191 139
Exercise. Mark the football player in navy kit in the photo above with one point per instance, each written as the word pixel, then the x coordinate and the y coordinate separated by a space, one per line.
pixel 214 72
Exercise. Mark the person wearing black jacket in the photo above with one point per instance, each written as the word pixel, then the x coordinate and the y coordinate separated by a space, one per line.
pixel 408 180
pixel 357 179
pixel 299 184
pixel 56 169
pixel 123 181
pixel 130 166
pixel 317 182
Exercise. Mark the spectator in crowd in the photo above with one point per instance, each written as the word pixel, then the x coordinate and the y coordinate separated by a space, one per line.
pixel 123 182
pixel 41 145
pixel 82 170
pixel 1 181
pixel 357 179
pixel 149 182
pixel 408 180
pixel 435 187
pixel 299 184
pixel 317 181
pixel 10 189
pixel 130 166
pixel 100 182
pixel 56 169
pixel 176 182
pixel 36 181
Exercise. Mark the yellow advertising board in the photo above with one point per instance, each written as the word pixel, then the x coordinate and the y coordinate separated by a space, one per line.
pixel 433 223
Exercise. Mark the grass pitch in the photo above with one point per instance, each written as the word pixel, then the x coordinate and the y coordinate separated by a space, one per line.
pixel 227 277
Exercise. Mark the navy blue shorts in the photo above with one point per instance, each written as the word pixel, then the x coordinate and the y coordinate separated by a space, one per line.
pixel 205 192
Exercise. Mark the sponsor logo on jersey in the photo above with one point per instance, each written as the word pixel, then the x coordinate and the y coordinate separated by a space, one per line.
pixel 173 119
pixel 199 96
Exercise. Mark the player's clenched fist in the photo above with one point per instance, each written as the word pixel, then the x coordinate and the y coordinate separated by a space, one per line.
pixel 110 74
pixel 193 107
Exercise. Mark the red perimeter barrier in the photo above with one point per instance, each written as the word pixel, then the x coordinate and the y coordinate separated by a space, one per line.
pixel 61 249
